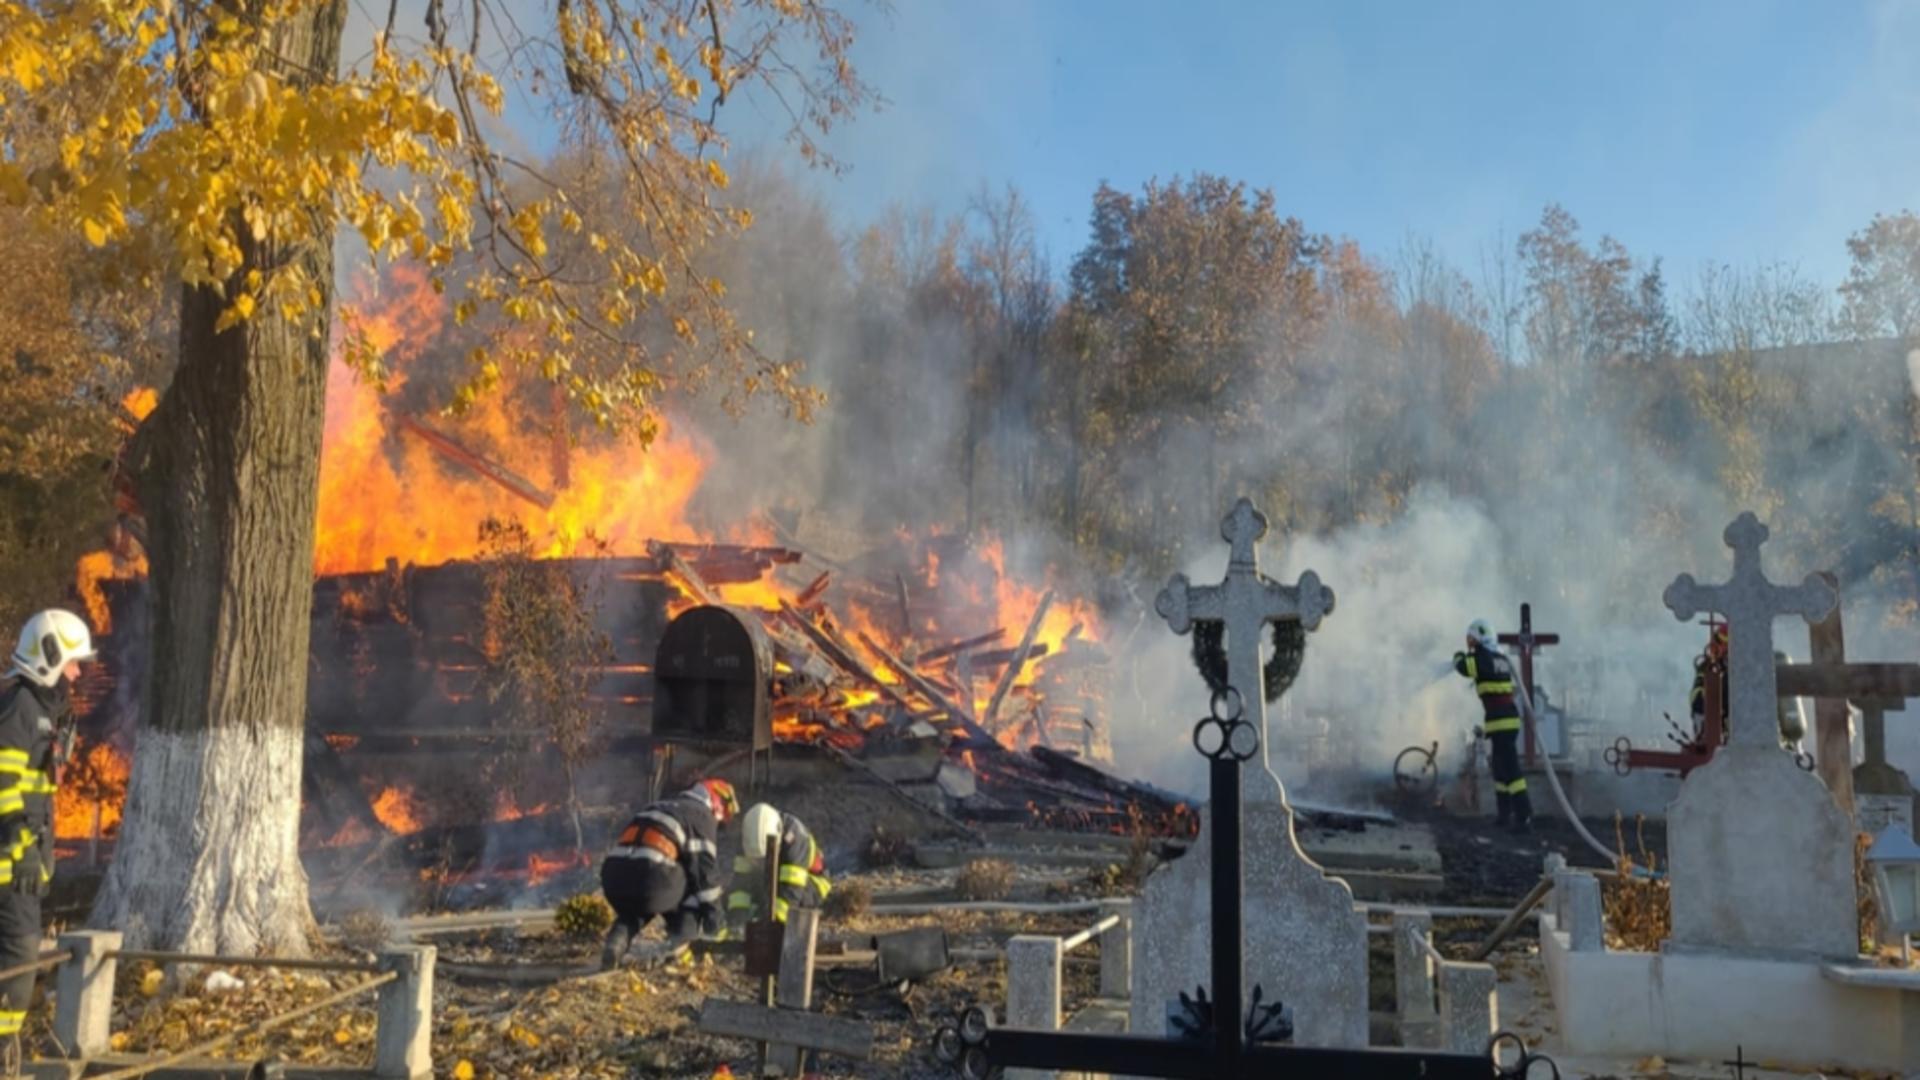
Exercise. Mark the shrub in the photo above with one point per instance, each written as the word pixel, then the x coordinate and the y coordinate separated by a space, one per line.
pixel 585 917
pixel 985 879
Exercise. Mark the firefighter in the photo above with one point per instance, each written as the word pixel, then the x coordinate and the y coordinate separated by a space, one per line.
pixel 666 863
pixel 1715 659
pixel 34 708
pixel 1791 725
pixel 802 874
pixel 1492 676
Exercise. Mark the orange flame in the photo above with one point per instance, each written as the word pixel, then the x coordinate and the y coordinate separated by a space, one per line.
pixel 396 809
pixel 74 804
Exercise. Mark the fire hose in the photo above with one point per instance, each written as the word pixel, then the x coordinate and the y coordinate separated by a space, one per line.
pixel 1553 780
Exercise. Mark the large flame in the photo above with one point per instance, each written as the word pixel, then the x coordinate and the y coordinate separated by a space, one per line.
pixel 91 795
pixel 387 494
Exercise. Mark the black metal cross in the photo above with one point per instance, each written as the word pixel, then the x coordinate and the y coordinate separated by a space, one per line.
pixel 1221 1040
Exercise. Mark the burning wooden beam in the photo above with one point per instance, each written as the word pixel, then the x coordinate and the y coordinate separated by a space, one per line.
pixel 843 657
pixel 927 690
pixel 961 646
pixel 1019 660
pixel 459 454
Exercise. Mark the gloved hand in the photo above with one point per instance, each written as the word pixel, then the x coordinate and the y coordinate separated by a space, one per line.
pixel 28 870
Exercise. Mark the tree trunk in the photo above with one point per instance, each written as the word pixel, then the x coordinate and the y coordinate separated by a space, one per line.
pixel 228 471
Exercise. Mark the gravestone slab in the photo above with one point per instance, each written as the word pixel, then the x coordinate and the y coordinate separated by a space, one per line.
pixel 1760 855
pixel 1306 944
pixel 1761 859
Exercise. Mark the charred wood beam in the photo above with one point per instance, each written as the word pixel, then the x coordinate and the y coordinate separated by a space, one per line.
pixel 1019 661
pixel 997 657
pixel 964 645
pixel 811 594
pixel 837 651
pixel 453 451
pixel 919 684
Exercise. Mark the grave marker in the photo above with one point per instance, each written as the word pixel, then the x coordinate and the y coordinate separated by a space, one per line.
pixel 1221 1036
pixel 1761 857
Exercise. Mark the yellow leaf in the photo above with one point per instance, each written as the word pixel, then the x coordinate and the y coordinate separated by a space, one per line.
pixel 716 174
pixel 463 1070
pixel 150 983
pixel 96 232
pixel 342 1037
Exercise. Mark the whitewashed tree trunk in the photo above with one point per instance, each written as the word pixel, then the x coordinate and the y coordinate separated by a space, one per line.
pixel 209 859
pixel 227 469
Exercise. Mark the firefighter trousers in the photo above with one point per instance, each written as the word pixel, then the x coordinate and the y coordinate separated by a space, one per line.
pixel 19 944
pixel 1509 782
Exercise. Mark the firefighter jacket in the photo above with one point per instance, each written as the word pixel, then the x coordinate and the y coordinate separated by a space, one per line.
pixel 802 876
pixel 28 716
pixel 1492 675
pixel 1697 700
pixel 681 832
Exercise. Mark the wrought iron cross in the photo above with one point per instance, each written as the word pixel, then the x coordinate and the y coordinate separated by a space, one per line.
pixel 1216 1038
pixel 1751 603
pixel 1246 601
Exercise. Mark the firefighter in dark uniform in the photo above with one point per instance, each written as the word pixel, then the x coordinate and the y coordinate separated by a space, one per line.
pixel 802 874
pixel 34 709
pixel 666 863
pixel 1492 676
pixel 1714 660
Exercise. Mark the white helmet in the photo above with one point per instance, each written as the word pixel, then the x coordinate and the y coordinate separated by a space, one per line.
pixel 1482 632
pixel 760 824
pixel 48 643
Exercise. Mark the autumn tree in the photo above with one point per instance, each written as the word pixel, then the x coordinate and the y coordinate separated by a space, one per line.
pixel 224 145
pixel 1881 296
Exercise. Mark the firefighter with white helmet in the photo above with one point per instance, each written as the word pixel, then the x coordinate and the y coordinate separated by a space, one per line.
pixel 802 873
pixel 666 864
pixel 34 706
pixel 1492 676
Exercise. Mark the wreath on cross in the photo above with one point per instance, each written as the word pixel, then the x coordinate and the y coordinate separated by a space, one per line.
pixel 1289 649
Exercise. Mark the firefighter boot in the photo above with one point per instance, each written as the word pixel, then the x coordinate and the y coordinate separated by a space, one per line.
pixel 618 940
pixel 1522 814
pixel 1505 816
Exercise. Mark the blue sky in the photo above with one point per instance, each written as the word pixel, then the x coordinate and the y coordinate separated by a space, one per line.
pixel 1738 132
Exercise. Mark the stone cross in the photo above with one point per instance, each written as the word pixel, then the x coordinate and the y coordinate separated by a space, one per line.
pixel 1246 601
pixel 1750 603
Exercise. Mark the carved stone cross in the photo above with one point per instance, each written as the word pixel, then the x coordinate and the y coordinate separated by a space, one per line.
pixel 1246 601
pixel 1750 603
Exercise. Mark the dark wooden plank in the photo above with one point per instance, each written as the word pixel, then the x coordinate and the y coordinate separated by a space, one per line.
pixel 759 1023
pixel 1849 681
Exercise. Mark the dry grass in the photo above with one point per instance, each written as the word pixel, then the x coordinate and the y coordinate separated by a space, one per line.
pixel 366 931
pixel 1639 910
pixel 1868 902
pixel 848 900
pixel 984 879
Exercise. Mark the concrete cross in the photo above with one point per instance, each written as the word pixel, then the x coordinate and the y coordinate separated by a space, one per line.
pixel 1750 603
pixel 1246 601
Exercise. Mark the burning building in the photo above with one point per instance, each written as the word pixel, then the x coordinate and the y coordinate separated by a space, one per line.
pixel 922 659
